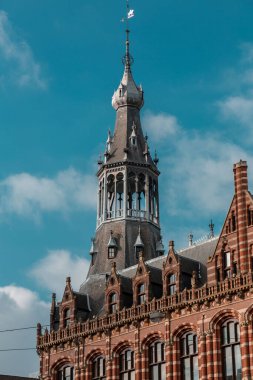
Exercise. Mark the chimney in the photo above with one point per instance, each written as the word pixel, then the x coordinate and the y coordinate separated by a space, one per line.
pixel 240 177
pixel 241 188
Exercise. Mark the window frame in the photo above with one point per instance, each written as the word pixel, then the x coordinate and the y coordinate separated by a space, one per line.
pixel 188 354
pixel 61 374
pixel 96 368
pixel 228 345
pixel 66 317
pixel 126 371
pixel 141 293
pixel 113 303
pixel 156 364
pixel 171 285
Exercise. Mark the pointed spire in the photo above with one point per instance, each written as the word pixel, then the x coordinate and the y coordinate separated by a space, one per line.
pixel 156 159
pixel 211 226
pixel 109 141
pixel 112 242
pixel 127 93
pixel 139 242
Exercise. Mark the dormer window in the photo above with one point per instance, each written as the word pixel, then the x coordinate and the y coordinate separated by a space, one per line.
pixel 112 247
pixel 66 321
pixel 171 284
pixel 133 136
pixel 141 294
pixel 138 246
pixel 113 304
pixel 227 264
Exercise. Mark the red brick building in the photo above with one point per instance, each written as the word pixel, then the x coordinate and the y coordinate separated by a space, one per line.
pixel 143 313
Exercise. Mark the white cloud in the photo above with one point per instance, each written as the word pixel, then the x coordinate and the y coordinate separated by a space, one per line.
pixel 239 108
pixel 51 271
pixel 29 196
pixel 20 307
pixel 200 174
pixel 22 68
pixel 160 126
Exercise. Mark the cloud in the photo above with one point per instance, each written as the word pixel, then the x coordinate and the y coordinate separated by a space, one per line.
pixel 239 106
pixel 20 67
pixel 29 196
pixel 20 307
pixel 160 126
pixel 51 271
pixel 200 174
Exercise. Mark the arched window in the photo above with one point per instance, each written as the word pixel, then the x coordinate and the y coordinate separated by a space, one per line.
pixel 171 284
pixel 141 294
pixel 98 368
pixel 157 361
pixel 66 321
pixel 126 365
pixel 66 373
pixel 189 356
pixel 231 353
pixel 113 305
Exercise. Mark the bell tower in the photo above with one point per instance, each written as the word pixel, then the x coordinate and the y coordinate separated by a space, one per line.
pixel 128 197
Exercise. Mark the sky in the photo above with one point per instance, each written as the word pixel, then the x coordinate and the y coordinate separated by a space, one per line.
pixel 60 62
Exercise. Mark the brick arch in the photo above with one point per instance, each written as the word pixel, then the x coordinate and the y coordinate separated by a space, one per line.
pixel 249 314
pixel 64 360
pixel 122 345
pixel 150 338
pixel 223 316
pixel 93 354
pixel 183 328
pixel 61 362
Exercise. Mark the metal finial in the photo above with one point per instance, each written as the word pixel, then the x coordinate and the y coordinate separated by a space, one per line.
pixel 211 226
pixel 190 239
pixel 156 159
pixel 100 162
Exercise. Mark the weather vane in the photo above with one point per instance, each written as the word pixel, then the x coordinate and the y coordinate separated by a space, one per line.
pixel 127 59
pixel 129 13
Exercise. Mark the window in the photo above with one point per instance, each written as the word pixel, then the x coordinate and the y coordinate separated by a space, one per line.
pixel 189 356
pixel 227 264
pixel 141 294
pixel 157 361
pixel 171 284
pixel 231 353
pixel 98 369
pixel 233 222
pixel 138 250
pixel 113 305
pixel 66 317
pixel 126 365
pixel 111 252
pixel 66 373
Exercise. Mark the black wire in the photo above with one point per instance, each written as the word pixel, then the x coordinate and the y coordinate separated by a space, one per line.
pixel 17 349
pixel 22 328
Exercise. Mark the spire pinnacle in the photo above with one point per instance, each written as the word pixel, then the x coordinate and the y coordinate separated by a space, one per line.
pixel 127 59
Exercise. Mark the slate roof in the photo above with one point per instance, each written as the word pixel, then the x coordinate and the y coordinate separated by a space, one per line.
pixel 193 258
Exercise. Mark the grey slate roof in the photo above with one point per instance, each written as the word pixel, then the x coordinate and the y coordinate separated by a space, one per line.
pixel 193 258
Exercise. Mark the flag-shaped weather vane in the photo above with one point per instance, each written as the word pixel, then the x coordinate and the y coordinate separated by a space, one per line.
pixel 127 59
pixel 129 13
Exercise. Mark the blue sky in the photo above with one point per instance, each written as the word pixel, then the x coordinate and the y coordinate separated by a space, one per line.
pixel 60 62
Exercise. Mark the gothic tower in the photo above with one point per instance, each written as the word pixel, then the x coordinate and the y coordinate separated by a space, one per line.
pixel 128 199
